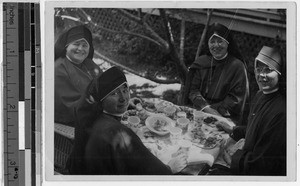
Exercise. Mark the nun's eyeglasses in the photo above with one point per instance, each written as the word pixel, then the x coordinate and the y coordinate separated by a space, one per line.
pixel 264 70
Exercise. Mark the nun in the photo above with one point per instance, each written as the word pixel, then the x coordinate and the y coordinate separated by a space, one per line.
pixel 264 150
pixel 217 81
pixel 107 147
pixel 74 70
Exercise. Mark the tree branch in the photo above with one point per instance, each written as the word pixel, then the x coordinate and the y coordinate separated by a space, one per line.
pixel 147 28
pixel 130 16
pixel 144 75
pixel 182 40
pixel 140 13
pixel 125 32
pixel 209 15
pixel 180 65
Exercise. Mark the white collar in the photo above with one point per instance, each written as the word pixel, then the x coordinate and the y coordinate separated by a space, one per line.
pixel 118 115
pixel 222 57
pixel 269 92
pixel 69 59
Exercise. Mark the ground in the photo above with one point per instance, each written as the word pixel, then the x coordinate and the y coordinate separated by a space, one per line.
pixel 144 88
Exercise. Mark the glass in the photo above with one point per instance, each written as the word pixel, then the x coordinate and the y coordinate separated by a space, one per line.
pixel 182 123
pixel 198 116
pixel 175 134
pixel 264 70
pixel 185 145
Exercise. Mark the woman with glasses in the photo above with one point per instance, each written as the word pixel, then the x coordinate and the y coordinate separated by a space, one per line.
pixel 264 150
pixel 217 82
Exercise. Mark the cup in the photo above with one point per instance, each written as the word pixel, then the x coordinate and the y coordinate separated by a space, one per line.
pixel 182 123
pixel 181 114
pixel 175 134
pixel 169 111
pixel 185 145
pixel 198 116
pixel 133 120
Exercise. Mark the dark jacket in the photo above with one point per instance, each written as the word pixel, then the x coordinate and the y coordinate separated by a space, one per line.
pixel 264 152
pixel 71 81
pixel 222 84
pixel 113 149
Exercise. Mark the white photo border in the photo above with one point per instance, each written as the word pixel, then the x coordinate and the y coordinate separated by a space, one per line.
pixel 48 85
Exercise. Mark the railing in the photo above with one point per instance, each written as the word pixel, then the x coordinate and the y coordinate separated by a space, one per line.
pixel 269 23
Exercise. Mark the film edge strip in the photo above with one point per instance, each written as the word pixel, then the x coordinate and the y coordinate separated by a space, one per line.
pixel 22 94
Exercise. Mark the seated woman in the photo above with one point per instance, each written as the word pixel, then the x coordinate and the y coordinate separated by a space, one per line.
pixel 264 150
pixel 109 147
pixel 217 82
pixel 74 70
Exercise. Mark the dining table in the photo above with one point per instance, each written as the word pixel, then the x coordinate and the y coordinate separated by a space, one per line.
pixel 198 135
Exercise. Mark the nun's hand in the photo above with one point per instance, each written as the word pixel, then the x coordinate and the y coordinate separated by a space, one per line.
pixel 227 157
pixel 224 126
pixel 210 110
pixel 178 163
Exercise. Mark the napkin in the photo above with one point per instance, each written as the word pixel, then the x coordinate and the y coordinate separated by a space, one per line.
pixel 198 155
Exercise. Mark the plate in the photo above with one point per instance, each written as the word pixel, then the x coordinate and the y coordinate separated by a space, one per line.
pixel 159 124
pixel 162 104
pixel 149 106
pixel 203 138
pixel 209 143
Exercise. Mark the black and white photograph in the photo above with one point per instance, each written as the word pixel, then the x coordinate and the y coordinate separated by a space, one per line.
pixel 170 91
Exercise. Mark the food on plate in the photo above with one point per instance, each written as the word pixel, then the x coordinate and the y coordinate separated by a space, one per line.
pixel 188 111
pixel 148 134
pixel 204 139
pixel 162 104
pixel 160 125
pixel 211 142
pixel 149 106
pixel 139 107
pixel 197 135
pixel 129 113
pixel 210 120
pixel 143 115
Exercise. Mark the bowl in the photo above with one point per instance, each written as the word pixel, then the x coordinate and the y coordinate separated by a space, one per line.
pixel 133 120
pixel 169 111
pixel 159 124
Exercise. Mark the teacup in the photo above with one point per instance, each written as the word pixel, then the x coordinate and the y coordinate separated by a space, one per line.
pixel 175 134
pixel 133 120
pixel 185 144
pixel 182 123
pixel 169 111
pixel 198 116
pixel 181 114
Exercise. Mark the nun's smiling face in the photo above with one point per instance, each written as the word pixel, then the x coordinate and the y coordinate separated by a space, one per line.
pixel 217 47
pixel 117 101
pixel 78 50
pixel 266 77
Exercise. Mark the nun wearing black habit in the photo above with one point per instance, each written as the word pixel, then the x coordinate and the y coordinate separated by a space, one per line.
pixel 264 150
pixel 74 70
pixel 104 146
pixel 217 81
